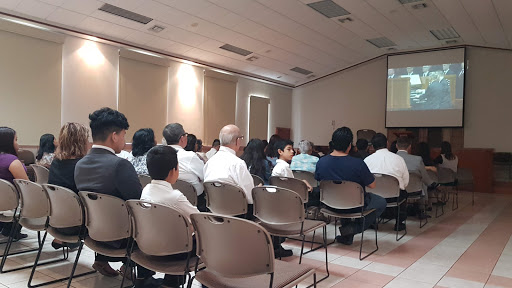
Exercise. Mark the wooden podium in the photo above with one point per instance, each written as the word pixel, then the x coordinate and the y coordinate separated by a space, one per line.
pixel 399 94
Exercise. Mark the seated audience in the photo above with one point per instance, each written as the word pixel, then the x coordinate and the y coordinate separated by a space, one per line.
pixel 423 150
pixel 447 159
pixel 73 142
pixel 385 162
pixel 45 153
pixel 282 168
pixel 143 140
pixel 199 150
pixel 392 147
pixel 191 143
pixel 362 148
pixel 215 148
pixel 304 161
pixel 271 151
pixel 339 166
pixel 191 167
pixel 10 168
pixel 101 171
pixel 257 163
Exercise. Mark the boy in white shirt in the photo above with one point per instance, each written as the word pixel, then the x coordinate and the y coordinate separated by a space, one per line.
pixel 282 168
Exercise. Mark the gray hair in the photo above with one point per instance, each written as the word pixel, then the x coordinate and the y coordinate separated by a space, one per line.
pixel 305 146
pixel 173 132
pixel 228 134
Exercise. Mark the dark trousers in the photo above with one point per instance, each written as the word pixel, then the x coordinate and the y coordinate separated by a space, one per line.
pixel 403 207
pixel 177 280
pixel 141 271
pixel 201 203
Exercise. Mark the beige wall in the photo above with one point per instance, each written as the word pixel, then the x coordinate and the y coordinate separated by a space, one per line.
pixel 355 98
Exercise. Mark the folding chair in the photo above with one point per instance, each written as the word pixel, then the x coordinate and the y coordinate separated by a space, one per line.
pixel 257 180
pixel 42 173
pixel 436 195
pixel 187 189
pixel 225 199
pixel 306 175
pixel 144 180
pixel 414 192
pixel 238 253
pixel 345 195
pixel 465 179
pixel 448 180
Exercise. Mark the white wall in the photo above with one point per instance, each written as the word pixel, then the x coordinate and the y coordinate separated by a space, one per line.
pixel 355 98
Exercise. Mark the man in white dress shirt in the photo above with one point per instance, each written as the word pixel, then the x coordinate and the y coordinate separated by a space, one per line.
pixel 191 166
pixel 385 162
pixel 213 151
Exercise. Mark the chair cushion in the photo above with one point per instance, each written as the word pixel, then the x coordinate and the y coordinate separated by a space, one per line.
pixel 63 237
pixel 285 275
pixel 34 224
pixel 328 212
pixel 102 248
pixel 293 229
pixel 164 264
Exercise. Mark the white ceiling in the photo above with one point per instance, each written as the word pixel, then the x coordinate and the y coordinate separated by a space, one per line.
pixel 282 33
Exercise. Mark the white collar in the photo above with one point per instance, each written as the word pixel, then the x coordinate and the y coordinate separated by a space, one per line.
pixel 104 147
pixel 162 182
pixel 177 147
pixel 383 150
pixel 403 151
pixel 227 149
pixel 282 161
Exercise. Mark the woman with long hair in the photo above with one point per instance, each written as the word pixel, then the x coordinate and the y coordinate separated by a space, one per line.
pixel 447 159
pixel 143 140
pixel 46 151
pixel 191 143
pixel 271 151
pixel 10 168
pixel 256 161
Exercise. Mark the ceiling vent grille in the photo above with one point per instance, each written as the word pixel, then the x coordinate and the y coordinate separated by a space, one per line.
pixel 408 1
pixel 301 71
pixel 236 50
pixel 381 42
pixel 446 33
pixel 419 6
pixel 328 8
pixel 125 13
pixel 452 41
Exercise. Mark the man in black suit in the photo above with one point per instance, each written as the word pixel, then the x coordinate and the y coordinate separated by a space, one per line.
pixel 438 93
pixel 101 171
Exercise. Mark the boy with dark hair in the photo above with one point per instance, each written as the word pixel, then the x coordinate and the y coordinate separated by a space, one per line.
pixel 285 150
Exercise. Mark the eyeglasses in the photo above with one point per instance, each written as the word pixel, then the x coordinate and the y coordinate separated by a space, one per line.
pixel 184 134
pixel 240 137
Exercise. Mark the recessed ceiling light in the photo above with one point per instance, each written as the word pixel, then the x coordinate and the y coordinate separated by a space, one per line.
pixel 344 20
pixel 194 24
pixel 156 28
pixel 252 58
pixel 419 6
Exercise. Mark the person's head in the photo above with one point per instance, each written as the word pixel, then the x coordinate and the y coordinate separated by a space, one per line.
pixel 423 150
pixel 143 140
pixel 362 144
pixel 191 143
pixel 199 147
pixel 174 134
pixel 46 145
pixel 446 67
pixel 341 140
pixel 410 69
pixel 446 149
pixel 73 141
pixel 305 147
pixel 285 149
pixel 162 162
pixel 392 147
pixel 108 128
pixel 216 144
pixel 391 72
pixel 254 156
pixel 270 151
pixel 230 137
pixel 379 141
pixel 8 141
pixel 403 143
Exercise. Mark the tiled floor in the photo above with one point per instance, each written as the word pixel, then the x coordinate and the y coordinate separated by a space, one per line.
pixel 470 247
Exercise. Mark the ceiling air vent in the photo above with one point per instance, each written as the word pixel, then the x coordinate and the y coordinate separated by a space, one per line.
pixel 156 29
pixel 452 41
pixel 381 42
pixel 445 33
pixel 236 50
pixel 408 1
pixel 345 20
pixel 301 71
pixel 328 8
pixel 125 13
pixel 419 6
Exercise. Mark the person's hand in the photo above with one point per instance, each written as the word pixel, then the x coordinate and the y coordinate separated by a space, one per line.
pixel 259 185
pixel 309 186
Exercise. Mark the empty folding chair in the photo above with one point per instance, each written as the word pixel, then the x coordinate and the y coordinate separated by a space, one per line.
pixel 448 180
pixel 161 232
pixel 414 192
pixel 144 180
pixel 257 180
pixel 186 189
pixel 238 253
pixel 42 173
pixel 346 195
pixel 306 175
pixel 388 188
pixel 225 199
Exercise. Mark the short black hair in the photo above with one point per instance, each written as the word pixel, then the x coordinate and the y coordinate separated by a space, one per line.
pixel 105 121
pixel 46 145
pixel 173 132
pixel 7 136
pixel 191 143
pixel 341 139
pixel 143 140
pixel 216 142
pixel 161 160
pixel 379 141
pixel 362 144
pixel 281 144
pixel 402 143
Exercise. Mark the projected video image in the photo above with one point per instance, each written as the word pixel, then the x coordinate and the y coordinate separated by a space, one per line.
pixel 429 87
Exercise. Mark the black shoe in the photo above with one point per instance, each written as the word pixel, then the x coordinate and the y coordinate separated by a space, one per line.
pixel 149 282
pixel 399 227
pixel 373 227
pixel 281 252
pixel 433 186
pixel 347 229
pixel 345 239
pixel 19 236
pixel 71 246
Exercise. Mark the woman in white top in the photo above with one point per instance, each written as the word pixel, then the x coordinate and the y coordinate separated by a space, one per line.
pixel 447 159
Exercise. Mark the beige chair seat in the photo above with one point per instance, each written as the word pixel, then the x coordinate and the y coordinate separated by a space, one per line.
pixel 62 237
pixel 328 212
pixel 102 248
pixel 164 264
pixel 292 230
pixel 285 275
pixel 5 219
pixel 34 224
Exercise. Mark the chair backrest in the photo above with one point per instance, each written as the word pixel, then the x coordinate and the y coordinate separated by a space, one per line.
pixel 296 185
pixel 415 183
pixel 187 189
pixel 464 176
pixel 33 200
pixel 225 199
pixel 66 209
pixel 341 194
pixel 257 180
pixel 9 196
pixel 106 217
pixel 446 175
pixel 387 186
pixel 366 134
pixel 306 175
pixel 159 230
pixel 276 205
pixel 26 157
pixel 144 180
pixel 233 247
pixel 42 173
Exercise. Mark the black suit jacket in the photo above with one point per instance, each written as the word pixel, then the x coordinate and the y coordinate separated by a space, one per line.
pixel 101 171
pixel 438 95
